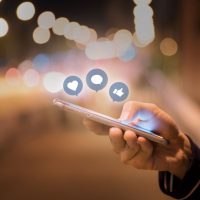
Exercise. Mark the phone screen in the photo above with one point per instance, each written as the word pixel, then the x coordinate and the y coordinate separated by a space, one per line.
pixel 109 121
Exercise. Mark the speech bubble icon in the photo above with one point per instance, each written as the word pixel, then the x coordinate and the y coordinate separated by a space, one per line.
pixel 73 85
pixel 119 91
pixel 96 79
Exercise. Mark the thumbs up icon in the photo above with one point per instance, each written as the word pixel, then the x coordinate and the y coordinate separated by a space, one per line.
pixel 119 92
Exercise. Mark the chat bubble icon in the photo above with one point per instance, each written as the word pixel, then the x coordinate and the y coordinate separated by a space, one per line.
pixel 73 85
pixel 118 91
pixel 96 79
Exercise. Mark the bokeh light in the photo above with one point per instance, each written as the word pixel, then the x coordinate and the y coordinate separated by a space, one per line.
pixel 53 81
pixel 41 62
pixel 59 25
pixel 144 25
pixel 93 35
pixel 71 30
pixel 41 35
pixel 137 42
pixel 143 12
pixel 25 11
pixel 145 33
pixel 3 27
pixel 83 35
pixel 123 40
pixel 100 49
pixel 168 46
pixel 142 1
pixel 31 78
pixel 129 54
pixel 13 76
pixel 24 65
pixel 46 20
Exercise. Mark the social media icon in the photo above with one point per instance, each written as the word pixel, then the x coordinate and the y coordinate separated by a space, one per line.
pixel 73 85
pixel 119 91
pixel 96 79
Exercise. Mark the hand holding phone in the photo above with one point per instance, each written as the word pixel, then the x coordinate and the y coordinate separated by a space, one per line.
pixel 109 121
pixel 172 152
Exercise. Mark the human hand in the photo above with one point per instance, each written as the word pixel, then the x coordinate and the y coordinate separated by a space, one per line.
pixel 141 153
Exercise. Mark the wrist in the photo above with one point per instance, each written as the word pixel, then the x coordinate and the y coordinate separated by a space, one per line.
pixel 183 158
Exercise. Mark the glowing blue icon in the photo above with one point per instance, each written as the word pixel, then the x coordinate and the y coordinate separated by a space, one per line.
pixel 96 79
pixel 119 91
pixel 73 85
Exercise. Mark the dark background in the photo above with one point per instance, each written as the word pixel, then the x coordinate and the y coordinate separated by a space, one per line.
pixel 98 14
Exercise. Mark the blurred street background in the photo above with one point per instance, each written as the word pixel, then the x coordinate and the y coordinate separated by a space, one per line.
pixel 45 152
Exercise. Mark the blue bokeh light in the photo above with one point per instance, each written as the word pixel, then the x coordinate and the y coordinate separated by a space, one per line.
pixel 41 62
pixel 129 55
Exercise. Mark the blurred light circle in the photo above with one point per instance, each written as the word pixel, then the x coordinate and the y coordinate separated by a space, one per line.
pixel 144 30
pixel 123 40
pixel 100 50
pixel 145 34
pixel 129 54
pixel 93 35
pixel 3 27
pixel 41 35
pixel 123 35
pixel 41 62
pixel 25 11
pixel 13 76
pixel 31 78
pixel 46 20
pixel 168 46
pixel 53 81
pixel 137 42
pixel 83 35
pixel 24 65
pixel 59 25
pixel 137 2
pixel 71 29
pixel 143 11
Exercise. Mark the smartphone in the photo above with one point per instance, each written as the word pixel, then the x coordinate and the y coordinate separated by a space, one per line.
pixel 109 121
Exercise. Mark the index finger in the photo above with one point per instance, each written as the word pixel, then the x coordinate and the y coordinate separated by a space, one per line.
pixel 150 117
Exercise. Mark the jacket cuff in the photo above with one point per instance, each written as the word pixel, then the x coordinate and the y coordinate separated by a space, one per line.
pixel 189 186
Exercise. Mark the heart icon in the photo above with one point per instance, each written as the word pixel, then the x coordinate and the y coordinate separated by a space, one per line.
pixel 72 85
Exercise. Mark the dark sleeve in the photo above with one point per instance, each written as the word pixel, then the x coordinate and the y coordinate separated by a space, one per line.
pixel 189 187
